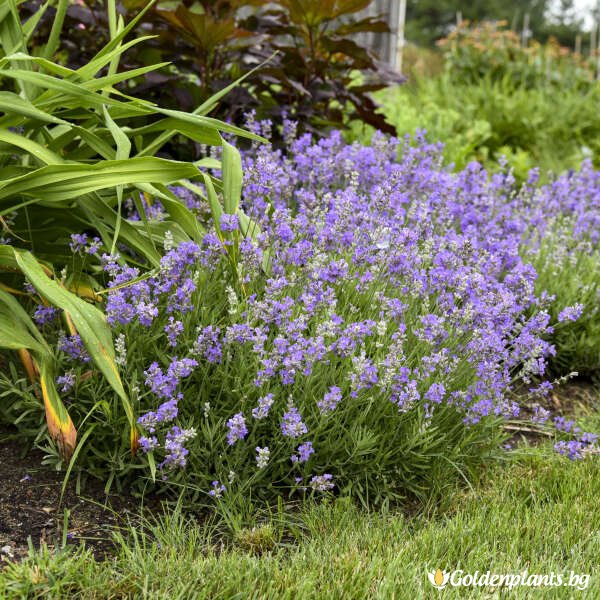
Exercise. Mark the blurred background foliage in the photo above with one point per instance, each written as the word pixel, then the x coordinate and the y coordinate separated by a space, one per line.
pixel 504 81
pixel 307 47
pixel 429 20
pixel 488 97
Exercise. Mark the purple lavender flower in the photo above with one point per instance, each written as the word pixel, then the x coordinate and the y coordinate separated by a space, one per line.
pixel 167 411
pixel 160 384
pixel 229 222
pixel 331 399
pixel 66 381
pixel 110 264
pixel 175 452
pixel 78 242
pixel 73 347
pixel 264 406
pixel 237 428
pixel 147 444
pixel 149 421
pixel 292 425
pixel 29 288
pixel 565 425
pixel 181 368
pixel 322 483
pixel 303 453
pixel 188 197
pixel 218 489
pixel 578 448
pixel 94 246
pixel 540 415
pixel 262 456
pixel 118 309
pixel 571 449
pixel 173 328
pixel 588 438
pixel 571 313
pixel 543 389
pixel 146 312
pixel 435 393
pixel 45 314
pixel 165 384
pixel 364 374
pixel 181 299
pixel 208 344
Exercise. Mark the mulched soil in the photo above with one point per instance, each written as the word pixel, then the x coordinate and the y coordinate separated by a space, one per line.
pixel 30 509
pixel 577 397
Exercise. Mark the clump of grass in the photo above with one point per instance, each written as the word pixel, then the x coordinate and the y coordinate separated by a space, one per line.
pixel 257 539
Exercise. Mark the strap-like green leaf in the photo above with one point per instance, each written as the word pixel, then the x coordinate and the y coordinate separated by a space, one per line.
pixel 88 320
pixel 17 317
pixel 12 104
pixel 51 67
pixel 215 206
pixel 123 150
pixel 90 69
pixel 97 63
pixel 63 182
pixel 232 178
pixel 107 82
pixel 41 153
pixel 13 39
pixel 198 132
pixel 180 213
pixel 208 104
pixel 57 25
pixel 61 89
pixel 18 332
pixel 30 26
pixel 14 337
pixel 8 262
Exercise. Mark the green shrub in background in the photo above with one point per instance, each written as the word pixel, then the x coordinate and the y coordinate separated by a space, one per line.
pixel 489 50
pixel 537 106
pixel 537 127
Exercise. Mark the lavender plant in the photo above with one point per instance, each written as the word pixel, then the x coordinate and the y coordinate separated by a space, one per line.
pixel 566 255
pixel 366 334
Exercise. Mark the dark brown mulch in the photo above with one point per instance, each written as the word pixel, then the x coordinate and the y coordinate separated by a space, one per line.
pixel 30 509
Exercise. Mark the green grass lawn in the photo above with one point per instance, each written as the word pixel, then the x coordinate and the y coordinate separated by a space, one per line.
pixel 538 512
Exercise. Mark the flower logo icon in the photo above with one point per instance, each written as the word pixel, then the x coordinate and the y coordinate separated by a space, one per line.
pixel 438 578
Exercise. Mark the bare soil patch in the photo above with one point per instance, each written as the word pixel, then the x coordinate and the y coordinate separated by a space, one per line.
pixel 30 507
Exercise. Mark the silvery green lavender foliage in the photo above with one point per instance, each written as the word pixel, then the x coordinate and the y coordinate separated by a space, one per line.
pixel 371 335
